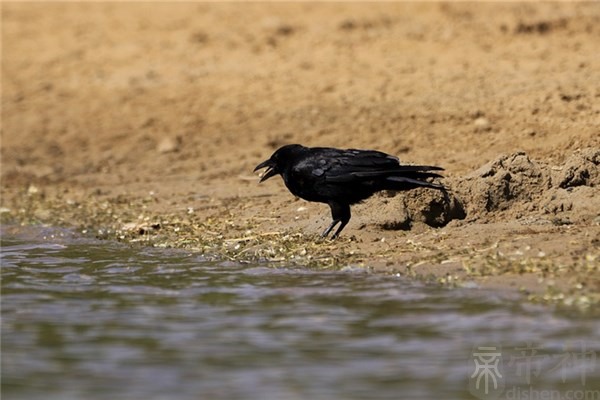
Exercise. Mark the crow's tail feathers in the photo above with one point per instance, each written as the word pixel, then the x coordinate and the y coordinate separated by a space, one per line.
pixel 406 183
pixel 412 176
pixel 402 177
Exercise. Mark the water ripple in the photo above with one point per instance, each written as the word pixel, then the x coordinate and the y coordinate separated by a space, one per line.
pixel 98 320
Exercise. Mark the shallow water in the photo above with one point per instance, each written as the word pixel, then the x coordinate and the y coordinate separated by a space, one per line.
pixel 87 319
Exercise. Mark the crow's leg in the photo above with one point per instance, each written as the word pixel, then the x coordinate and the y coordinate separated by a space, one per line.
pixel 340 213
pixel 344 216
pixel 329 228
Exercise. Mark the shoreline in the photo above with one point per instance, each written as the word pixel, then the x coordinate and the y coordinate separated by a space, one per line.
pixel 511 257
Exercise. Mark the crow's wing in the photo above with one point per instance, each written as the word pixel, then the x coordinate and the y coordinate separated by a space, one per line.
pixel 325 162
pixel 353 165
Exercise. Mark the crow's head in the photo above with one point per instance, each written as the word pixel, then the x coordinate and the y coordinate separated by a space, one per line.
pixel 279 160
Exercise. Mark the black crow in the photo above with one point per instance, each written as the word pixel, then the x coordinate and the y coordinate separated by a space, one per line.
pixel 343 177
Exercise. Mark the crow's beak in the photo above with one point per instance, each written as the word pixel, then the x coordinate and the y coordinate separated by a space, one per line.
pixel 270 171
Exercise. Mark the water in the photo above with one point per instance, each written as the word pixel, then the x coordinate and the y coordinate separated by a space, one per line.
pixel 86 319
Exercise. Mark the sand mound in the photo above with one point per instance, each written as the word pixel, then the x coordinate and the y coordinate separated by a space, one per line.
pixel 511 186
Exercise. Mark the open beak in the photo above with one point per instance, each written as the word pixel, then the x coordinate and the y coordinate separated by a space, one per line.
pixel 269 172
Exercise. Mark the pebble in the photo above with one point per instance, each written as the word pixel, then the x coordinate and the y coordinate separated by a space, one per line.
pixel 32 189
pixel 482 124
pixel 168 145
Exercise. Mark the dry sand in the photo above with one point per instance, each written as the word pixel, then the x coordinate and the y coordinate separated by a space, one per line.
pixel 143 122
